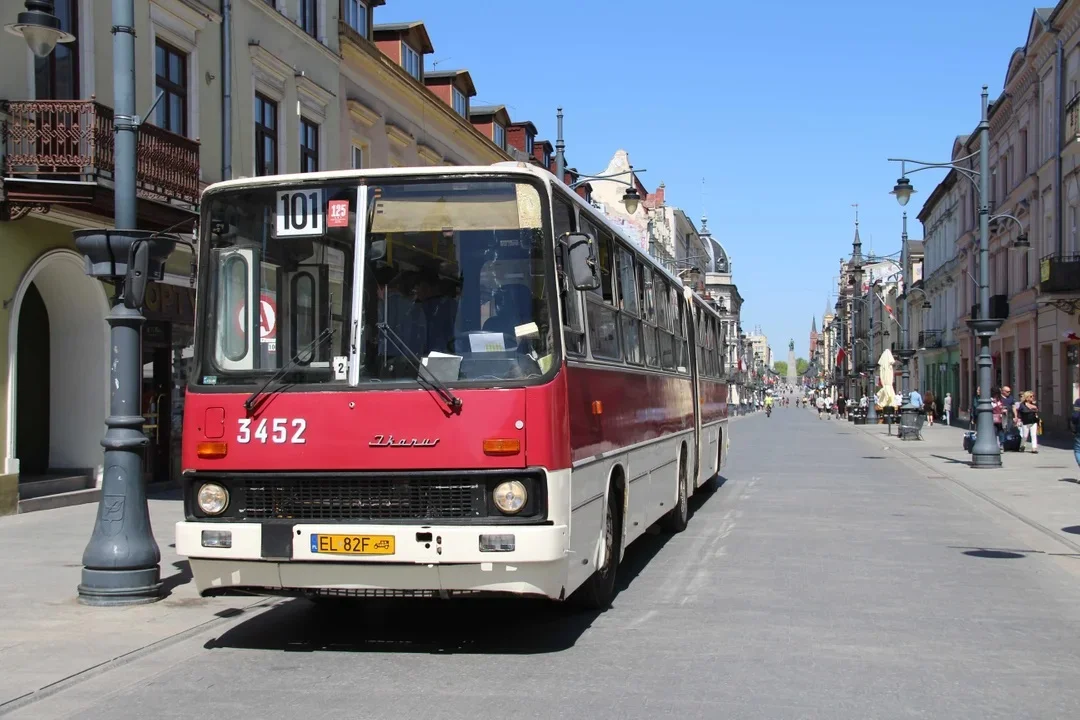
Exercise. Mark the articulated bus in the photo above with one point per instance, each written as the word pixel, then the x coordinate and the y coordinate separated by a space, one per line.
pixel 436 382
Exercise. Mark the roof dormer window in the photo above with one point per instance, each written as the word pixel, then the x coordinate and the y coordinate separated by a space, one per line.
pixel 410 60
pixel 356 16
pixel 461 103
pixel 498 134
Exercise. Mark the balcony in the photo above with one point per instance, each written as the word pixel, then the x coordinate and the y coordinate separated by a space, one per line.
pixel 930 339
pixel 60 152
pixel 1059 274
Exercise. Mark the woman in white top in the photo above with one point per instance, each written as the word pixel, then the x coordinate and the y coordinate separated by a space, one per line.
pixel 946 407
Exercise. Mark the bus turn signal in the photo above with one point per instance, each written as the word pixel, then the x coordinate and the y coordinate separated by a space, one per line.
pixel 212 450
pixel 502 446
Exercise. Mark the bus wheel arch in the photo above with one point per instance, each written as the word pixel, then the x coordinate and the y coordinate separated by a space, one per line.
pixel 676 519
pixel 600 589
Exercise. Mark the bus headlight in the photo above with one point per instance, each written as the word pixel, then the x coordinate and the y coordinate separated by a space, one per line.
pixel 510 497
pixel 212 499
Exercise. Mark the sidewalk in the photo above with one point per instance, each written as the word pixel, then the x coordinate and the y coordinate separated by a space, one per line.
pixel 1042 490
pixel 46 636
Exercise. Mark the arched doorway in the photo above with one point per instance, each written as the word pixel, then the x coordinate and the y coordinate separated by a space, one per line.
pixel 57 387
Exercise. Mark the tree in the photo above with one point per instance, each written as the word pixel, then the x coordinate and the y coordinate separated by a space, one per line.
pixel 781 368
pixel 801 365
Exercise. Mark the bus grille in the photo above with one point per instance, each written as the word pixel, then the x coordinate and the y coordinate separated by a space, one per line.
pixel 363 499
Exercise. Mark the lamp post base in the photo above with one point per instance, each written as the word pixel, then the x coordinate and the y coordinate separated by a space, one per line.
pixel 116 588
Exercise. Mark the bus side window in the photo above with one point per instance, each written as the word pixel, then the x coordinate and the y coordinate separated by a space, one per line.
pixel 648 316
pixel 681 360
pixel 601 313
pixel 573 327
pixel 628 303
pixel 662 294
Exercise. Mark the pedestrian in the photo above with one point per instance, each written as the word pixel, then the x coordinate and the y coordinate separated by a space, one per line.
pixel 1028 413
pixel 820 403
pixel 973 417
pixel 997 408
pixel 946 408
pixel 1074 424
pixel 915 399
pixel 841 407
pixel 1008 401
pixel 931 407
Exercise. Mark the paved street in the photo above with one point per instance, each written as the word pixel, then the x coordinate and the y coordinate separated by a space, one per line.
pixel 829 577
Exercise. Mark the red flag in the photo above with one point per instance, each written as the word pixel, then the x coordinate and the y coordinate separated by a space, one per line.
pixel 840 356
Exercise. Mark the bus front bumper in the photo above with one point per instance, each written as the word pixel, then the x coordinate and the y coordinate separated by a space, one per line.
pixel 286 558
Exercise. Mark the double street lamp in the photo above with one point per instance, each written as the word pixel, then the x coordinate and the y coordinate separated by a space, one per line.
pixel 985 453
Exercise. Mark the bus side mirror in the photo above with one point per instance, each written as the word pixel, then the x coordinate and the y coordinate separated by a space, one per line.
pixel 582 261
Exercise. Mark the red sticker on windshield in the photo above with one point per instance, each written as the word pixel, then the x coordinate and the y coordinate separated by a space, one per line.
pixel 338 215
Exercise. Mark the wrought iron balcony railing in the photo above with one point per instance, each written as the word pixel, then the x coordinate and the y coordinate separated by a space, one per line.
pixel 1072 120
pixel 72 140
pixel 930 339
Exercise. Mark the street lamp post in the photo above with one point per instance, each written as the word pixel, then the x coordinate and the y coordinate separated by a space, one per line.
pixel 631 198
pixel 985 453
pixel 120 563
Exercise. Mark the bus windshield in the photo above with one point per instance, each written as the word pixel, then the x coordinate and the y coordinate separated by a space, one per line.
pixel 454 278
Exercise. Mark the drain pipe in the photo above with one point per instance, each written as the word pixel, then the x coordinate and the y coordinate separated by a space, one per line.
pixel 226 90
pixel 1059 122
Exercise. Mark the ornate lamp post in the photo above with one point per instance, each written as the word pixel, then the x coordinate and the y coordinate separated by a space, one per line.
pixel 631 198
pixel 985 453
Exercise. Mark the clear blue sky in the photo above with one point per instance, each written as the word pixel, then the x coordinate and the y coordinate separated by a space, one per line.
pixel 787 109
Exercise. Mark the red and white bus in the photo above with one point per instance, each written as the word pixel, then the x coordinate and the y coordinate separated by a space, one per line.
pixel 436 381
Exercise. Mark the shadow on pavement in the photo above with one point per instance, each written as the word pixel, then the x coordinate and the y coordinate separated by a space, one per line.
pixel 995 554
pixel 1071 480
pixel 512 626
pixel 952 461
pixel 1072 529
pixel 182 576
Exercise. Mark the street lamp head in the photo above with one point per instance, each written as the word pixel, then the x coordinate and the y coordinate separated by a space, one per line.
pixel 630 199
pixel 39 27
pixel 902 190
pixel 1022 242
pixel 926 305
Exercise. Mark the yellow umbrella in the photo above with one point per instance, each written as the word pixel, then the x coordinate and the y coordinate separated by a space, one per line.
pixel 886 397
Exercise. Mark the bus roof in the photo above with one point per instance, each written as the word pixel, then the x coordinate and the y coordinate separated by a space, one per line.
pixel 502 168
pixel 511 167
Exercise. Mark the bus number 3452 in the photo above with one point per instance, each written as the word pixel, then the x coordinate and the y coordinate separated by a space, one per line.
pixel 277 430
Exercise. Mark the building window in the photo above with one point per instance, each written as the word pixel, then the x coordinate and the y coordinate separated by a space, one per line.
pixel 528 143
pixel 498 134
pixel 357 157
pixel 309 146
pixel 56 77
pixel 172 80
pixel 410 60
pixel 266 136
pixel 461 103
pixel 355 14
pixel 309 17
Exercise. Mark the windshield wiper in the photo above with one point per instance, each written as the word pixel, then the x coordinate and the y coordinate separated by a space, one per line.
pixel 322 337
pixel 452 401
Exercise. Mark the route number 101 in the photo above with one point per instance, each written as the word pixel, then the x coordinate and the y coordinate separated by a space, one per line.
pixel 278 431
pixel 299 212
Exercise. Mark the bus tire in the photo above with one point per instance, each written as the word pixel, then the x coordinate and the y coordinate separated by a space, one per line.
pixel 678 517
pixel 599 590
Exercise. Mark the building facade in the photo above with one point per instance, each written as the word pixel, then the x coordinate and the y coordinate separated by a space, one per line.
pixel 314 85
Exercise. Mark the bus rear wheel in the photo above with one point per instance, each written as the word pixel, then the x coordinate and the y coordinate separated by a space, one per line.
pixel 599 590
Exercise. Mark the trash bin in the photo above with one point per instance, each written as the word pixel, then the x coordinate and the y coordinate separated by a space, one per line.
pixel 909 420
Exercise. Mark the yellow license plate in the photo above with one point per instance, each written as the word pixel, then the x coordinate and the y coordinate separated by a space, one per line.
pixel 353 544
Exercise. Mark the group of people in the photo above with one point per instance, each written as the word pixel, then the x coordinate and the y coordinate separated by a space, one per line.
pixel 1013 414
